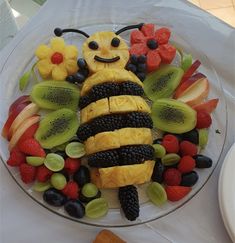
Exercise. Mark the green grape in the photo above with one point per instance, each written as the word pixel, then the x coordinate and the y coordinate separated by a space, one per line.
pixel 75 150
pixel 35 161
pixel 89 190
pixel 96 208
pixel 160 151
pixel 58 181
pixel 170 159
pixel 54 162
pixel 41 186
pixel 203 137
pixel 157 193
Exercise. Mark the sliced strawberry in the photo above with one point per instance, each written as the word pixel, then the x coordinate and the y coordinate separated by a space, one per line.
pixel 148 30
pixel 137 37
pixel 138 49
pixel 22 99
pixel 183 86
pixel 167 53
pixel 29 133
pixel 208 106
pixel 175 193
pixel 191 71
pixel 16 157
pixel 162 35
pixel 32 147
pixel 153 60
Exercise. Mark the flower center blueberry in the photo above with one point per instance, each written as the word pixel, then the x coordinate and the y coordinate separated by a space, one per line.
pixel 152 44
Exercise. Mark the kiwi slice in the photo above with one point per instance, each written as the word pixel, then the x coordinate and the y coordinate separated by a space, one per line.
pixel 163 82
pixel 55 95
pixel 173 116
pixel 57 128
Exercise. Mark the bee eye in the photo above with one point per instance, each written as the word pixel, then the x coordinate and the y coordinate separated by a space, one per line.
pixel 93 45
pixel 115 42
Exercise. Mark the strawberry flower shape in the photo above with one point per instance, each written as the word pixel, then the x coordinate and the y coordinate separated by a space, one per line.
pixel 58 60
pixel 153 44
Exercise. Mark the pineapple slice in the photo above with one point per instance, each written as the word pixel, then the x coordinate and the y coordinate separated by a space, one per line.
pixel 115 139
pixel 114 104
pixel 109 75
pixel 118 176
pixel 105 50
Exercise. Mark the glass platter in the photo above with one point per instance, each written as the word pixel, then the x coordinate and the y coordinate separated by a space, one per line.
pixel 22 58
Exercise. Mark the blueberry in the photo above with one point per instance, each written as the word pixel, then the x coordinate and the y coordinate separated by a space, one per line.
pixel 133 59
pixel 131 67
pixel 93 45
pixel 66 174
pixel 61 153
pixel 70 79
pixel 189 179
pixel 81 62
pixel 82 176
pixel 58 31
pixel 74 208
pixel 141 76
pixel 142 67
pixel 157 141
pixel 115 42
pixel 152 44
pixel 79 77
pixel 158 172
pixel 142 59
pixel 202 161
pixel 191 136
pixel 85 72
pixel 54 197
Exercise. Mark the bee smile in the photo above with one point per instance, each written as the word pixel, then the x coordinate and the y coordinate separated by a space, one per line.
pixel 106 60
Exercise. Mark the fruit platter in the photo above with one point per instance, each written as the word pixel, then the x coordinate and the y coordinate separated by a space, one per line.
pixel 113 126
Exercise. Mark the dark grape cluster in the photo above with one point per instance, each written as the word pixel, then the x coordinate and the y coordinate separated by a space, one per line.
pixel 137 65
pixel 82 73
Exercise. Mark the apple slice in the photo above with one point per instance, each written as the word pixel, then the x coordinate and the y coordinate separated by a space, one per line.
pixel 208 106
pixel 196 93
pixel 11 118
pixel 190 71
pixel 182 87
pixel 27 112
pixel 21 129
pixel 21 100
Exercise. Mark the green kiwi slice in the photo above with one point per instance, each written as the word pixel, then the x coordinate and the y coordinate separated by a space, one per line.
pixel 54 95
pixel 173 116
pixel 57 128
pixel 163 82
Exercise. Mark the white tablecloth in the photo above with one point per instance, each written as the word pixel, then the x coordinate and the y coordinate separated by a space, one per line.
pixel 22 220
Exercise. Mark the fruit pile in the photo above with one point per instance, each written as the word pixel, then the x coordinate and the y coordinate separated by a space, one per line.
pixel 71 161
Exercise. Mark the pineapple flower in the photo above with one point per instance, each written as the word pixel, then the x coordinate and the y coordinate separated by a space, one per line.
pixel 58 60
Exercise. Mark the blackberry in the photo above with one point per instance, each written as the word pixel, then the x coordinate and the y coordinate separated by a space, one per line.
pixel 126 155
pixel 112 122
pixel 128 197
pixel 109 89
pixel 135 154
pixel 103 159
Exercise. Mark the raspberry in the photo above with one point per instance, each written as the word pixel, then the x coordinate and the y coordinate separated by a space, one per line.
pixel 170 143
pixel 72 165
pixel 203 119
pixel 32 147
pixel 16 157
pixel 71 190
pixel 27 173
pixel 57 58
pixel 43 173
pixel 175 193
pixel 172 177
pixel 188 148
pixel 186 164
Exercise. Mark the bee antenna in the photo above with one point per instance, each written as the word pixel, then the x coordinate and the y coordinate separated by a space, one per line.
pixel 130 27
pixel 60 32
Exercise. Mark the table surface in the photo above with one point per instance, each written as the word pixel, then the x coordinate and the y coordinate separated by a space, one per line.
pixel 22 220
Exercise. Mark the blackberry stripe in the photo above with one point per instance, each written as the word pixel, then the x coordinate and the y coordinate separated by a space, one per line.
pixel 109 89
pixel 112 122
pixel 126 155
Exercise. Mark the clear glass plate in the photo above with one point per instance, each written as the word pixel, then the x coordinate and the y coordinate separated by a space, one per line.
pixel 22 58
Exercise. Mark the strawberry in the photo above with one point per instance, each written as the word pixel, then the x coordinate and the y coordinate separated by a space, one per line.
pixel 188 148
pixel 43 173
pixel 172 177
pixel 16 157
pixel 29 133
pixel 175 193
pixel 203 119
pixel 72 165
pixel 170 143
pixel 186 164
pixel 71 190
pixel 27 173
pixel 32 147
